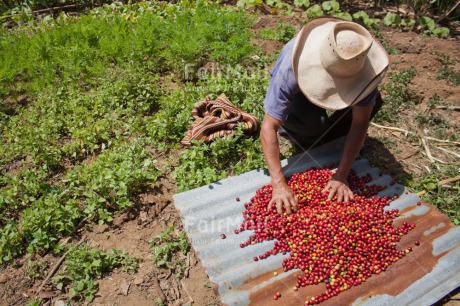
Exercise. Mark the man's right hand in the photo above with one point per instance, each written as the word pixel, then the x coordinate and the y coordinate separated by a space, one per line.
pixel 283 196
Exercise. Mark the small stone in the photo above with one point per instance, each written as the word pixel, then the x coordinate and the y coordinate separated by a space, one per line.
pixel 138 280
pixel 124 289
pixel 59 303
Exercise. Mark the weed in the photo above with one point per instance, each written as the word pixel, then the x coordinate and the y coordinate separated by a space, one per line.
pixel 34 302
pixel 389 49
pixel 397 95
pixel 84 265
pixel 433 120
pixel 282 33
pixel 372 23
pixel 111 182
pixel 160 302
pixel 429 27
pixel 392 19
pixel 166 245
pixel 36 269
pixel 447 73
pixel 446 199
pixel 206 163
pixel 434 101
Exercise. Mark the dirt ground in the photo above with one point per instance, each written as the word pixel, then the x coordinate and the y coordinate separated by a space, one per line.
pixel 132 230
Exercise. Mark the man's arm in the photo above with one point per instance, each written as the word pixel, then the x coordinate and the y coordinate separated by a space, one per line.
pixel 338 184
pixel 282 194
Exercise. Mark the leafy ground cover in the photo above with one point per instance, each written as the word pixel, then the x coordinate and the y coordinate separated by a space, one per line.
pixel 93 107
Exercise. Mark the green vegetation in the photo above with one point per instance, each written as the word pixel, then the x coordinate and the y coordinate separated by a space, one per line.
pixel 282 33
pixel 93 107
pixel 83 265
pixel 166 245
pixel 36 269
pixel 422 22
pixel 34 302
pixel 81 147
pixel 398 95
pixel 444 198
pixel 446 71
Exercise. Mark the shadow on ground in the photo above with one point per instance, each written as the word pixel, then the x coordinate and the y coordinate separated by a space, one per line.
pixel 380 156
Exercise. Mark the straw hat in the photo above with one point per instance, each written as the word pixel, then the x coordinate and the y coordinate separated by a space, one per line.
pixel 337 63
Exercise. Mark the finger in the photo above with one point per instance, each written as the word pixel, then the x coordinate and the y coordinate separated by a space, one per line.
pixel 331 195
pixel 295 204
pixel 270 205
pixel 287 205
pixel 328 186
pixel 279 207
pixel 345 197
pixel 339 195
pixel 350 194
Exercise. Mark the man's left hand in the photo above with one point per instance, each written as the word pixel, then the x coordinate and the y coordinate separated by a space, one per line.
pixel 338 186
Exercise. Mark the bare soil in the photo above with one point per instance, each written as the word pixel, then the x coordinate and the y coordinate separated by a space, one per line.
pixel 132 230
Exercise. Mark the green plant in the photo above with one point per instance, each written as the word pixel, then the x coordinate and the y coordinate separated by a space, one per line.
pixel 34 302
pixel 65 48
pixel 434 101
pixel 425 24
pixel 372 23
pixel 276 5
pixel 203 164
pixel 392 19
pixel 166 245
pixel 245 4
pixel 279 4
pixel 329 8
pixel 433 121
pixel 314 11
pixel 282 33
pixel 389 49
pixel 446 199
pixel 397 95
pixel 302 3
pixel 446 72
pixel 429 27
pixel 422 7
pixel 84 265
pixel 111 182
pixel 36 269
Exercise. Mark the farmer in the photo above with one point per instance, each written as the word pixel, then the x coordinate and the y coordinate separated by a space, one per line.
pixel 331 64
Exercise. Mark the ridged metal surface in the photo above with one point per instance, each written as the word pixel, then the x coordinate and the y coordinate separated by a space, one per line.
pixel 423 277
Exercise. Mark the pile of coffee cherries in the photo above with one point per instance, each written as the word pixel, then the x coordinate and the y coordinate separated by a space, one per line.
pixel 335 243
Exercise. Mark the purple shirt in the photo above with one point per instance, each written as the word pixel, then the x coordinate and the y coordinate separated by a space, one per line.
pixel 283 86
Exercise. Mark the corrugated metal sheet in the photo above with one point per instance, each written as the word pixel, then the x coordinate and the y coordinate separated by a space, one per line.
pixel 423 277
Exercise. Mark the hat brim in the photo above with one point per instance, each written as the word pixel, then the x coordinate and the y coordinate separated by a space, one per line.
pixel 323 89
